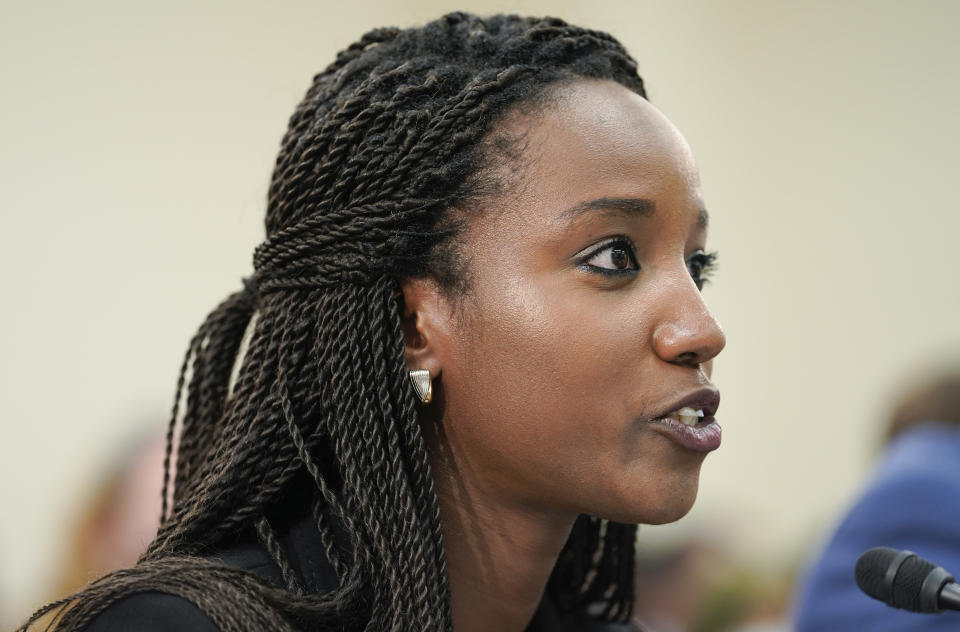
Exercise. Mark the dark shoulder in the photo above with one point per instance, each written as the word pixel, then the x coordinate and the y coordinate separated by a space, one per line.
pixel 152 611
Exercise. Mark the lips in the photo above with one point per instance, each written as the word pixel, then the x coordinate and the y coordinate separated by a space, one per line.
pixel 690 422
pixel 704 400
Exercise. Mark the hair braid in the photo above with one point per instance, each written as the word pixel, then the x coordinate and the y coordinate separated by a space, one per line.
pixel 171 426
pixel 268 537
pixel 429 552
pixel 389 138
pixel 244 448
pixel 214 352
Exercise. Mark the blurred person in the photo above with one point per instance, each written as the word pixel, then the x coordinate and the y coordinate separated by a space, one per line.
pixel 664 601
pixel 478 354
pixel 699 585
pixel 673 586
pixel 119 520
pixel 911 501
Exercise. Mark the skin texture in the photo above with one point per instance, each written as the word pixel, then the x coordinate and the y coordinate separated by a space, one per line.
pixel 547 370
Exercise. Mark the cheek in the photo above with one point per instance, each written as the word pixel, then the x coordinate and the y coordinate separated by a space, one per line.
pixel 543 390
pixel 549 383
pixel 544 349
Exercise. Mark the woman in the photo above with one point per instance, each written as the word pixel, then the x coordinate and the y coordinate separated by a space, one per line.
pixel 478 354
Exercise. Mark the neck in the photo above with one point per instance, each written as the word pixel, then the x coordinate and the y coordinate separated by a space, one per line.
pixel 499 555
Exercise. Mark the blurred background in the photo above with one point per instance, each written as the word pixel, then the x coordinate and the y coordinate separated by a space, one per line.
pixel 136 144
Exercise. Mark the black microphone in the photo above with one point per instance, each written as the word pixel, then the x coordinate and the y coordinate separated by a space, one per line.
pixel 903 580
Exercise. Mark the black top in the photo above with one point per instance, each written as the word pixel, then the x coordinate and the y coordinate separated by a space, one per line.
pixel 153 611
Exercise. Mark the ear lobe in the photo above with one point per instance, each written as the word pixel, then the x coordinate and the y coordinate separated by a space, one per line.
pixel 424 318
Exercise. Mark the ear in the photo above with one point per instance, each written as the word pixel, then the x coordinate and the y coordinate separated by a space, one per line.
pixel 425 319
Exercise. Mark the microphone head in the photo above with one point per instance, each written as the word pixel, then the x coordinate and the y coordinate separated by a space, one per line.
pixel 895 578
pixel 872 569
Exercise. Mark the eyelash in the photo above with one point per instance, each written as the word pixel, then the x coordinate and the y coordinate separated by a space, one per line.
pixel 706 267
pixel 620 240
pixel 702 265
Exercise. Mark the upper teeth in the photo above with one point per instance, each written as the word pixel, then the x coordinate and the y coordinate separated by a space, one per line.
pixel 687 415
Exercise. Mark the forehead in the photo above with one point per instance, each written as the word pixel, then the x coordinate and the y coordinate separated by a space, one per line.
pixel 599 139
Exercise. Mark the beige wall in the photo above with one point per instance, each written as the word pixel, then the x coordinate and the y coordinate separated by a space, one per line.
pixel 136 141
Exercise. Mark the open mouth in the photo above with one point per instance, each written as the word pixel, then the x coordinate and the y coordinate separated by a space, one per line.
pixel 698 407
pixel 686 415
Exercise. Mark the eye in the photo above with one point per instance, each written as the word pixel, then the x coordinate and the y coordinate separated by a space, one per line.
pixel 702 265
pixel 615 256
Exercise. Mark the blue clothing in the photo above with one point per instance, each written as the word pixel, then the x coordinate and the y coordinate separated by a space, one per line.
pixel 911 502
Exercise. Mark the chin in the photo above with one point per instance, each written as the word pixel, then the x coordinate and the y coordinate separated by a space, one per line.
pixel 671 512
pixel 667 503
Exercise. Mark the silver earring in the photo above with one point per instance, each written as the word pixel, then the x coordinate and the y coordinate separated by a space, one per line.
pixel 422 384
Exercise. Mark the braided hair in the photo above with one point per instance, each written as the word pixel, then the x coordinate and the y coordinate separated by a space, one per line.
pixel 389 139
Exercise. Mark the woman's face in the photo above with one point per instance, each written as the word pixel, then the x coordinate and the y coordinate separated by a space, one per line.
pixel 584 320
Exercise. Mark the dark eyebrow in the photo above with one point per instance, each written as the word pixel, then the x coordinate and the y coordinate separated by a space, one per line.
pixel 625 206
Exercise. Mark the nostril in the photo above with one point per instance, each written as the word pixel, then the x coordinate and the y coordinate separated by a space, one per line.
pixel 687 357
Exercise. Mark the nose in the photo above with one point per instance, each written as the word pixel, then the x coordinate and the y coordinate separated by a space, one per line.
pixel 688 333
